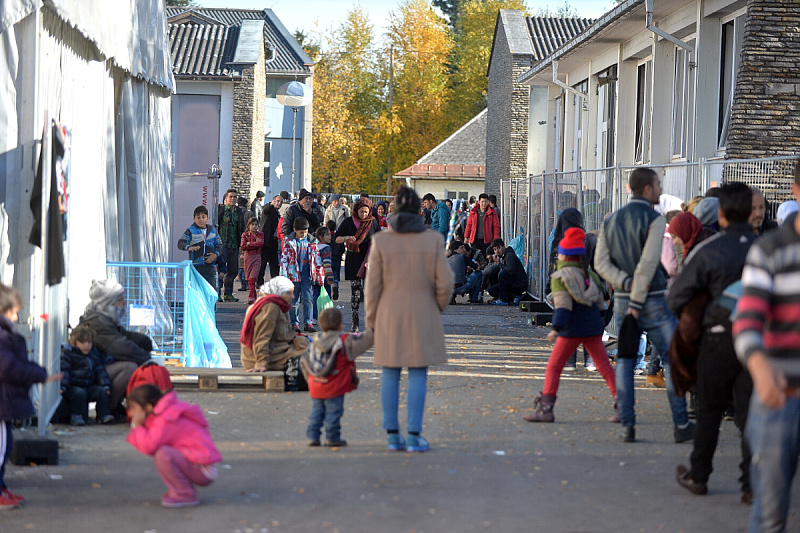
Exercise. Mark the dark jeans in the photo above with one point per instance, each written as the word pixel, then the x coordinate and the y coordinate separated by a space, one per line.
pixel 506 288
pixel 6 443
pixel 209 273
pixel 231 258
pixel 336 266
pixel 479 244
pixel 79 398
pixel 330 412
pixel 719 374
pixel 269 255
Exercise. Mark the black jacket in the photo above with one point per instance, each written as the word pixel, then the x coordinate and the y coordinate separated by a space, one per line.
pixel 713 265
pixel 116 341
pixel 511 264
pixel 17 374
pixel 83 370
pixel 296 211
pixel 268 224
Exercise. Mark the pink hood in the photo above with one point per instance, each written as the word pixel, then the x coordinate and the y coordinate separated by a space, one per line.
pixel 177 424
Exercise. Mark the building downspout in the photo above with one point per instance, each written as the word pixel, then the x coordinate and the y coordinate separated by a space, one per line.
pixel 658 31
pixel 564 85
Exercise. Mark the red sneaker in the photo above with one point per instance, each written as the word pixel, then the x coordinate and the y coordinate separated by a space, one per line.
pixel 8 503
pixel 11 496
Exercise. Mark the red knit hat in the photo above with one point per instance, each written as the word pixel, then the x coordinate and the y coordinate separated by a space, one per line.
pixel 572 242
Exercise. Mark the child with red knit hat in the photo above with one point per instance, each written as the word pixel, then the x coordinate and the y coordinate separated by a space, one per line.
pixel 578 302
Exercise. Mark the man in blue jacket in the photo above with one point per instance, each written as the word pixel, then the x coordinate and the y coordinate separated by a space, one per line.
pixel 440 215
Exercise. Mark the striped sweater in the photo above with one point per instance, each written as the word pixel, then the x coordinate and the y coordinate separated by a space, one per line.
pixel 768 316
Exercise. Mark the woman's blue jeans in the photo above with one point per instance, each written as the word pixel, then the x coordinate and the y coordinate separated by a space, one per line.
pixel 390 397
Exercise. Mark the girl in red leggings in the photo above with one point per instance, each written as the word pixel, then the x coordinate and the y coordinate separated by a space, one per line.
pixel 577 298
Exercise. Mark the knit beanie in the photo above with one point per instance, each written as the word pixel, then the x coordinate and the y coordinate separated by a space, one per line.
pixel 572 242
pixel 105 292
pixel 303 194
pixel 278 285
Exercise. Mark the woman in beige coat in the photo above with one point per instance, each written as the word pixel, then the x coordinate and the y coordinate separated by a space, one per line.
pixel 409 284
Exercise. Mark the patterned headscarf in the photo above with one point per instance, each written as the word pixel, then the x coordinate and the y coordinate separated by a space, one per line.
pixel 363 224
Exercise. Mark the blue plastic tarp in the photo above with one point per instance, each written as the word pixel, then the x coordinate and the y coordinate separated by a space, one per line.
pixel 203 346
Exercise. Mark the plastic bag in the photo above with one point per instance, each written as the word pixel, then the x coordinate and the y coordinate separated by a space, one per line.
pixel 324 301
pixel 203 346
pixel 518 245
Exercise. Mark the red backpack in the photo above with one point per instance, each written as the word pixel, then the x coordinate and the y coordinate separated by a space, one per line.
pixel 150 373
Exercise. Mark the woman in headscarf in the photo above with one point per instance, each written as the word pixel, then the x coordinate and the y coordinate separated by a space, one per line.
pixel 356 233
pixel 685 230
pixel 380 209
pixel 267 338
pixel 126 349
pixel 409 283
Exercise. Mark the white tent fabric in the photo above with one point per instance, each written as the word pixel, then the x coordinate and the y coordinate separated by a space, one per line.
pixel 130 33
pixel 103 71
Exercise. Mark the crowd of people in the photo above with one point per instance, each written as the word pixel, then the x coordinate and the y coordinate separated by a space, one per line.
pixel 710 284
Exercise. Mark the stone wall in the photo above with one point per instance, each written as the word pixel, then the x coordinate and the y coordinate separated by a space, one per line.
pixel 765 117
pixel 507 116
pixel 249 101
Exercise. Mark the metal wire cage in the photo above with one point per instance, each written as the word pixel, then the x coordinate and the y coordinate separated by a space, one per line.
pixel 155 294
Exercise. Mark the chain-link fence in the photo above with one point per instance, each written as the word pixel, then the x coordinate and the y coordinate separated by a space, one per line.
pixel 531 206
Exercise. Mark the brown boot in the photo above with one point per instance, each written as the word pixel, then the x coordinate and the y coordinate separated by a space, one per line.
pixel 544 409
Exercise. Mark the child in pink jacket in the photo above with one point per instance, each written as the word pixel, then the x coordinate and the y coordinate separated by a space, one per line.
pixel 176 434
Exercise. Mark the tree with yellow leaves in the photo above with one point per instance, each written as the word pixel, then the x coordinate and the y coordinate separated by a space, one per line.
pixel 421 42
pixel 473 46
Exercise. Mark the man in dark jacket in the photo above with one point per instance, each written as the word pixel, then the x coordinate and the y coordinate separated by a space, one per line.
pixel 230 226
pixel 712 266
pixel 303 209
pixel 512 280
pixel 129 349
pixel 758 220
pixel 268 225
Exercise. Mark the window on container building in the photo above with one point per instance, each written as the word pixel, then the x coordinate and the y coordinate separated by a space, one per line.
pixel 730 52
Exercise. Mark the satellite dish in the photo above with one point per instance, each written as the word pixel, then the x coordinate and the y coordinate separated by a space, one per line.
pixel 294 94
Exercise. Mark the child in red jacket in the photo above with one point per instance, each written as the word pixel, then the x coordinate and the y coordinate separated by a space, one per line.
pixel 330 369
pixel 176 434
pixel 252 242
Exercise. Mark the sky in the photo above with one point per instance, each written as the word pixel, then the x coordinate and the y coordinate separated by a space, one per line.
pixel 312 16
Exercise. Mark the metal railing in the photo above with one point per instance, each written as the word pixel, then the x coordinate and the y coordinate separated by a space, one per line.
pixel 531 206
pixel 155 294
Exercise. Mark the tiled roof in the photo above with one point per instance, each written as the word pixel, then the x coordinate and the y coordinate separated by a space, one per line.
pixel 467 146
pixel 548 34
pixel 203 41
pixel 202 50
pixel 462 155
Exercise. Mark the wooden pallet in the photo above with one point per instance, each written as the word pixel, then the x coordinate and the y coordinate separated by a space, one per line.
pixel 208 378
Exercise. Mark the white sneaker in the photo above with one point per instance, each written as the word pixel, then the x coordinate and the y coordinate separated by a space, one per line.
pixel 591 368
pixel 570 369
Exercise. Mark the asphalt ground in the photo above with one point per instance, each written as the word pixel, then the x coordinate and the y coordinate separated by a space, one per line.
pixel 488 469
